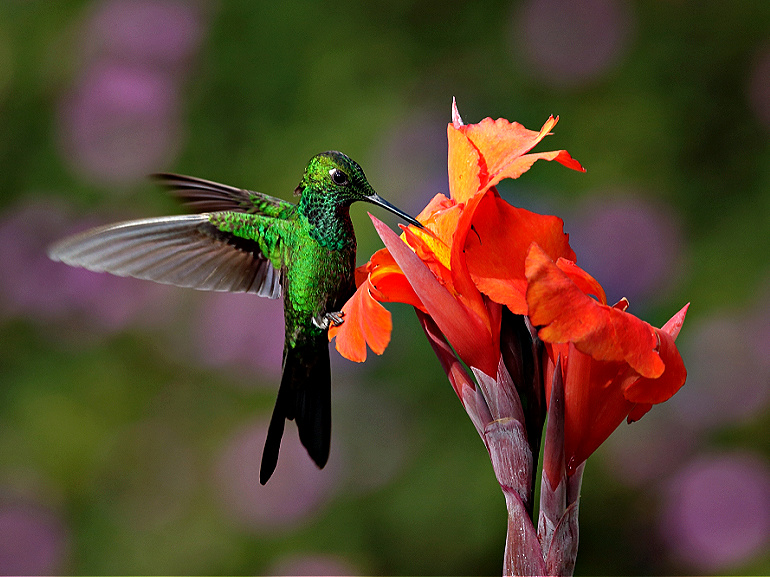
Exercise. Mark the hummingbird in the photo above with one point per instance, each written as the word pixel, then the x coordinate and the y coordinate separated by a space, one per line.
pixel 239 240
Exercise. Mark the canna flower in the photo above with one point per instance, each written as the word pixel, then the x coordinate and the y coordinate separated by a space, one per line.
pixel 496 289
pixel 614 365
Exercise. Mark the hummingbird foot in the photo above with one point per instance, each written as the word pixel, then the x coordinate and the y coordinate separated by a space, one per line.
pixel 323 322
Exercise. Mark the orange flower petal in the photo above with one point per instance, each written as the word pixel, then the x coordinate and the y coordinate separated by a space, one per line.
pixel 463 284
pixel 463 166
pixel 522 164
pixel 588 284
pixel 566 313
pixel 653 391
pixel 361 274
pixel 365 322
pixel 594 405
pixel 431 212
pixel 441 224
pixel 497 245
pixel 394 287
pixel 501 142
pixel 600 394
pixel 464 330
pixel 482 154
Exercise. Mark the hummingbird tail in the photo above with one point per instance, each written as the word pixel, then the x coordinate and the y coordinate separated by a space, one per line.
pixel 304 395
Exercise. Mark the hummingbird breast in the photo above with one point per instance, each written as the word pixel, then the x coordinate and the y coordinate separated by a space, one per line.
pixel 317 280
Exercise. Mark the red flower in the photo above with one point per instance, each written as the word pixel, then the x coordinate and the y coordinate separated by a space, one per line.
pixel 614 365
pixel 595 364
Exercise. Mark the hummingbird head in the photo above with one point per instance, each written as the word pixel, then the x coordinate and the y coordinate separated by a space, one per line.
pixel 334 178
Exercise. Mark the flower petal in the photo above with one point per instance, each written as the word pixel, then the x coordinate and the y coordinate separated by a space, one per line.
pixel 462 282
pixel 588 284
pixel 653 391
pixel 497 245
pixel 674 324
pixel 365 322
pixel 464 330
pixel 639 410
pixel 522 164
pixel 594 404
pixel 463 165
pixel 566 313
pixel 387 283
pixel 483 154
pixel 501 143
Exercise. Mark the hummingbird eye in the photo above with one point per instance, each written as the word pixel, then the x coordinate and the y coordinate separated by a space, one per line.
pixel 338 177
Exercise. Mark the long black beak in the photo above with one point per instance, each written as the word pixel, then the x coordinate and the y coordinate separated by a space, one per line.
pixel 379 201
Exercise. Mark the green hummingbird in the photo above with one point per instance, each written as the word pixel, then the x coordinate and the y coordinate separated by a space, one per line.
pixel 245 241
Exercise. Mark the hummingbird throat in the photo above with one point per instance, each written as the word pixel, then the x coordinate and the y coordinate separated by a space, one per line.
pixel 330 224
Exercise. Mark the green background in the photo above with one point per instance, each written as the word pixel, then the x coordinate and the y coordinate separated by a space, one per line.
pixel 119 434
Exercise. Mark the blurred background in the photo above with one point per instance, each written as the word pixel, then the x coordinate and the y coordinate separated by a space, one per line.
pixel 132 416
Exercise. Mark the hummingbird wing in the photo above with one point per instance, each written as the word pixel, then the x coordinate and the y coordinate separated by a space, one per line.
pixel 186 251
pixel 206 196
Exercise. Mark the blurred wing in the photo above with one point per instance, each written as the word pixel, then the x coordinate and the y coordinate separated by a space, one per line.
pixel 206 196
pixel 186 251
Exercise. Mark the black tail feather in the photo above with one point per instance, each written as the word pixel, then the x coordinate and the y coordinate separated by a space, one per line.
pixel 304 395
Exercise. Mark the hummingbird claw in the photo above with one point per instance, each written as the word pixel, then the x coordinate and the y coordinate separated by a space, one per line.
pixel 336 318
pixel 329 319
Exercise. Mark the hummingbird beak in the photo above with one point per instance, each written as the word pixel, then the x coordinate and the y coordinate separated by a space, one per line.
pixel 379 201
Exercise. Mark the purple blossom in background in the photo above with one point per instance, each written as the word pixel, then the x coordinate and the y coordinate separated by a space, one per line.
pixel 632 246
pixel 120 123
pixel 728 380
pixel 241 331
pixel 33 541
pixel 37 287
pixel 716 514
pixel 569 43
pixel 159 33
pixel 297 490
pixel 312 565
pixel 759 87
pixel 121 119
pixel 31 282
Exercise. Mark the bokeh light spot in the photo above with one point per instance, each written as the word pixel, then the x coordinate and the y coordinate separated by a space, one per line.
pixel 40 288
pixel 120 123
pixel 759 87
pixel 241 331
pixel 569 43
pixel 161 32
pixel 32 540
pixel 717 512
pixel 296 491
pixel 630 245
pixel 727 382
